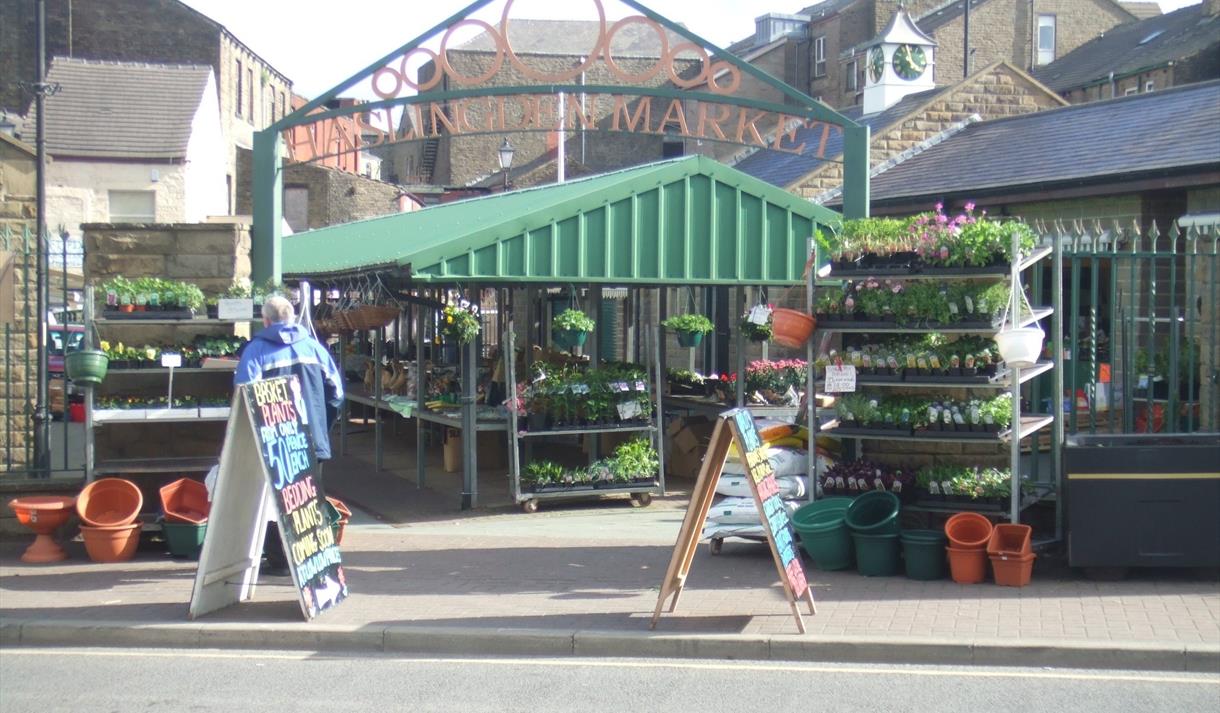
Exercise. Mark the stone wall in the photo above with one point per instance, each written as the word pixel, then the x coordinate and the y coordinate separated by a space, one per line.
pixel 996 92
pixel 334 196
pixel 17 344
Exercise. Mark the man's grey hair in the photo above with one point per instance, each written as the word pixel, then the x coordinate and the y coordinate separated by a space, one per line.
pixel 277 308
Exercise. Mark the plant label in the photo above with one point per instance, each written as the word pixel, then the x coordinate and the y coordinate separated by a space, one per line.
pixel 628 410
pixel 840 379
pixel 234 308
pixel 759 315
pixel 171 360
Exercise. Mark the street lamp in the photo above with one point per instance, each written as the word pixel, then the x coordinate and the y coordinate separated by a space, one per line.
pixel 506 160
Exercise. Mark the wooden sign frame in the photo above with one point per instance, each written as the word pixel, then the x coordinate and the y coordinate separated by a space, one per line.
pixel 237 524
pixel 726 432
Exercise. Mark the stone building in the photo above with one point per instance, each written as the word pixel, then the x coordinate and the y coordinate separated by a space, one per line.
pixel 132 143
pixel 1156 53
pixel 1025 33
pixel 17 337
pixel 250 92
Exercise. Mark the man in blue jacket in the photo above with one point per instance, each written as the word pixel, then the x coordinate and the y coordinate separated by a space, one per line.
pixel 285 348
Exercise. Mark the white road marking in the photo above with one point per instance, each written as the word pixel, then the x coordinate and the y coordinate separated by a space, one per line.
pixel 1204 679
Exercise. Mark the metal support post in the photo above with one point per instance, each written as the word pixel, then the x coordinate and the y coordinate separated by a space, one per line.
pixel 1057 432
pixel 470 469
pixel 421 381
pixel 379 335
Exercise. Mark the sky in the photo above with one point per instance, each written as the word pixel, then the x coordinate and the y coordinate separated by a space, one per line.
pixel 320 43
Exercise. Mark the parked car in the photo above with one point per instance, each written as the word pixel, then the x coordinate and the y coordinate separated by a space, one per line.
pixel 61 339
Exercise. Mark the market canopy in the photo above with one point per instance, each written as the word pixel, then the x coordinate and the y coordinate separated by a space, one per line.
pixel 684 221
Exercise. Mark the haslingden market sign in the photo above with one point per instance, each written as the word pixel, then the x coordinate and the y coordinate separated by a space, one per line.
pixel 689 89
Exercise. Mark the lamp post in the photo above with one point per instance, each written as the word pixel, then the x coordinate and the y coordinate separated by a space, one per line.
pixel 506 159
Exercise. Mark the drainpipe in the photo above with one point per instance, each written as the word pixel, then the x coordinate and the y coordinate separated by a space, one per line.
pixel 583 113
pixel 1113 85
pixel 966 39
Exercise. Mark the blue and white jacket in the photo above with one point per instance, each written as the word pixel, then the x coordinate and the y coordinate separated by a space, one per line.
pixel 283 349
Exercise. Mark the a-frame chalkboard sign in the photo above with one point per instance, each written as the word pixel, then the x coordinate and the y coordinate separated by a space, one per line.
pixel 268 454
pixel 738 425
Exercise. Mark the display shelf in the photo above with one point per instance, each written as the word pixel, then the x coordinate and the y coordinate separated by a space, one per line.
pixel 456 421
pixel 999 381
pixel 164 371
pixel 591 429
pixel 713 407
pixel 990 272
pixel 1030 424
pixel 153 466
pixel 1038 315
pixel 193 322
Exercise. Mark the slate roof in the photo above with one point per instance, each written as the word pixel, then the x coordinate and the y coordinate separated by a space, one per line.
pixel 122 109
pixel 574 37
pixel 784 169
pixel 937 18
pixel 1172 129
pixel 1141 10
pixel 1179 34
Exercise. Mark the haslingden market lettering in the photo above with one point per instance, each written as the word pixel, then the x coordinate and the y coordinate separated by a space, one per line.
pixel 541 112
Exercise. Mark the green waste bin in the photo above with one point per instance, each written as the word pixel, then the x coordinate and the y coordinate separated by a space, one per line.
pixel 877 555
pixel 874 513
pixel 184 539
pixel 924 554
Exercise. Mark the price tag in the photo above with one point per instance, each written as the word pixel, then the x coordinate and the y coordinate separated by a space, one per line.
pixel 171 360
pixel 840 379
pixel 641 386
pixel 759 314
pixel 234 308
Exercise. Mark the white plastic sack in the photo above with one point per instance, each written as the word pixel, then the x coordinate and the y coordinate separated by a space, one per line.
pixel 785 461
pixel 740 511
pixel 718 530
pixel 737 486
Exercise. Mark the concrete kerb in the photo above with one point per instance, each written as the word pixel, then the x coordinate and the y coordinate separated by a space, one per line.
pixel 473 641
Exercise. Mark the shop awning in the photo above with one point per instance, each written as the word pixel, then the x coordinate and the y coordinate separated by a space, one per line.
pixel 684 221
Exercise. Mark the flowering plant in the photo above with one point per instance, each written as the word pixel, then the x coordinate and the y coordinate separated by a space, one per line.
pixel 755 331
pixel 460 322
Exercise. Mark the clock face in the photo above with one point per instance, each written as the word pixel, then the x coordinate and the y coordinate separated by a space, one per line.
pixel 909 61
pixel 876 64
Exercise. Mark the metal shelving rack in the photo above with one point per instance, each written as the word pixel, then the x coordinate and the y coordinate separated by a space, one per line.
pixel 1023 425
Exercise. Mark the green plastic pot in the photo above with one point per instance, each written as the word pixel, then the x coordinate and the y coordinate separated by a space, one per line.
pixel 877 555
pixel 569 338
pixel 923 551
pixel 184 539
pixel 874 513
pixel 689 339
pixel 824 535
pixel 86 366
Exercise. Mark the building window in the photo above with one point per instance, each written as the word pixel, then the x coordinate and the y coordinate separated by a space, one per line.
pixel 133 207
pixel 819 56
pixel 849 78
pixel 1131 90
pixel 240 98
pixel 1046 39
pixel 250 94
pixel 1149 86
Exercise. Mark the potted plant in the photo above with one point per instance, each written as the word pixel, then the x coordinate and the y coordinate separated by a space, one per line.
pixel 690 328
pixel 460 322
pixel 86 367
pixel 634 461
pixel 571 328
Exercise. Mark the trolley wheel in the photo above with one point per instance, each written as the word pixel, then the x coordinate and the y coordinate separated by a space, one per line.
pixel 530 506
pixel 641 500
pixel 716 544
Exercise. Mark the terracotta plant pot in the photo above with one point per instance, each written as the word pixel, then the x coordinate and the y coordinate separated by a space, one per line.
pixel 967 566
pixel 339 518
pixel 43 514
pixel 790 328
pixel 1010 539
pixel 185 501
pixel 968 531
pixel 111 544
pixel 109 502
pixel 1012 570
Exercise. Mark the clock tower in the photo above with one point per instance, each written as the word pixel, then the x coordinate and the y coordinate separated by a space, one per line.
pixel 897 62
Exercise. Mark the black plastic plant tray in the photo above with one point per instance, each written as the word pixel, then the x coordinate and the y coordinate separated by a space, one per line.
pixel 165 314
pixel 869 432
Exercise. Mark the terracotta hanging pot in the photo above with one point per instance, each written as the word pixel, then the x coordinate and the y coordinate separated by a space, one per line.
pixel 790 328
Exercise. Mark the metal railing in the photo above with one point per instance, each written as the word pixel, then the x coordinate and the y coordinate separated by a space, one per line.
pixel 1141 321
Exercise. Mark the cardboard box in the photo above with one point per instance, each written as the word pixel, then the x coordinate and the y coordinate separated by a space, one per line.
pixel 687 446
pixel 491 451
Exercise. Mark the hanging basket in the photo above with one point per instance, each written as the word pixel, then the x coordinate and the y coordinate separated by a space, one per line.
pixel 689 339
pixel 86 366
pixel 1020 347
pixel 790 328
pixel 569 338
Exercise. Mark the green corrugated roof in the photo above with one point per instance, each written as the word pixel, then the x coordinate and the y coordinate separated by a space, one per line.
pixel 690 220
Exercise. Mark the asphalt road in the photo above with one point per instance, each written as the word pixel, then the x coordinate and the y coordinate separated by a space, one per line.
pixel 104 680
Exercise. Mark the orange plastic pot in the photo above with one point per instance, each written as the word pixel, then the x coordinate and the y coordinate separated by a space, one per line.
pixel 1010 539
pixel 790 328
pixel 968 530
pixel 1012 570
pixel 43 514
pixel 111 544
pixel 109 502
pixel 343 516
pixel 185 501
pixel 967 566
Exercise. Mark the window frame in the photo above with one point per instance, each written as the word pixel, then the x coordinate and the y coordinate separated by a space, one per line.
pixel 851 79
pixel 114 217
pixel 819 56
pixel 1040 51
pixel 240 98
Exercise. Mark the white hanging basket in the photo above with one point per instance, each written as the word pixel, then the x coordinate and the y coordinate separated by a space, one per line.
pixel 1020 347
